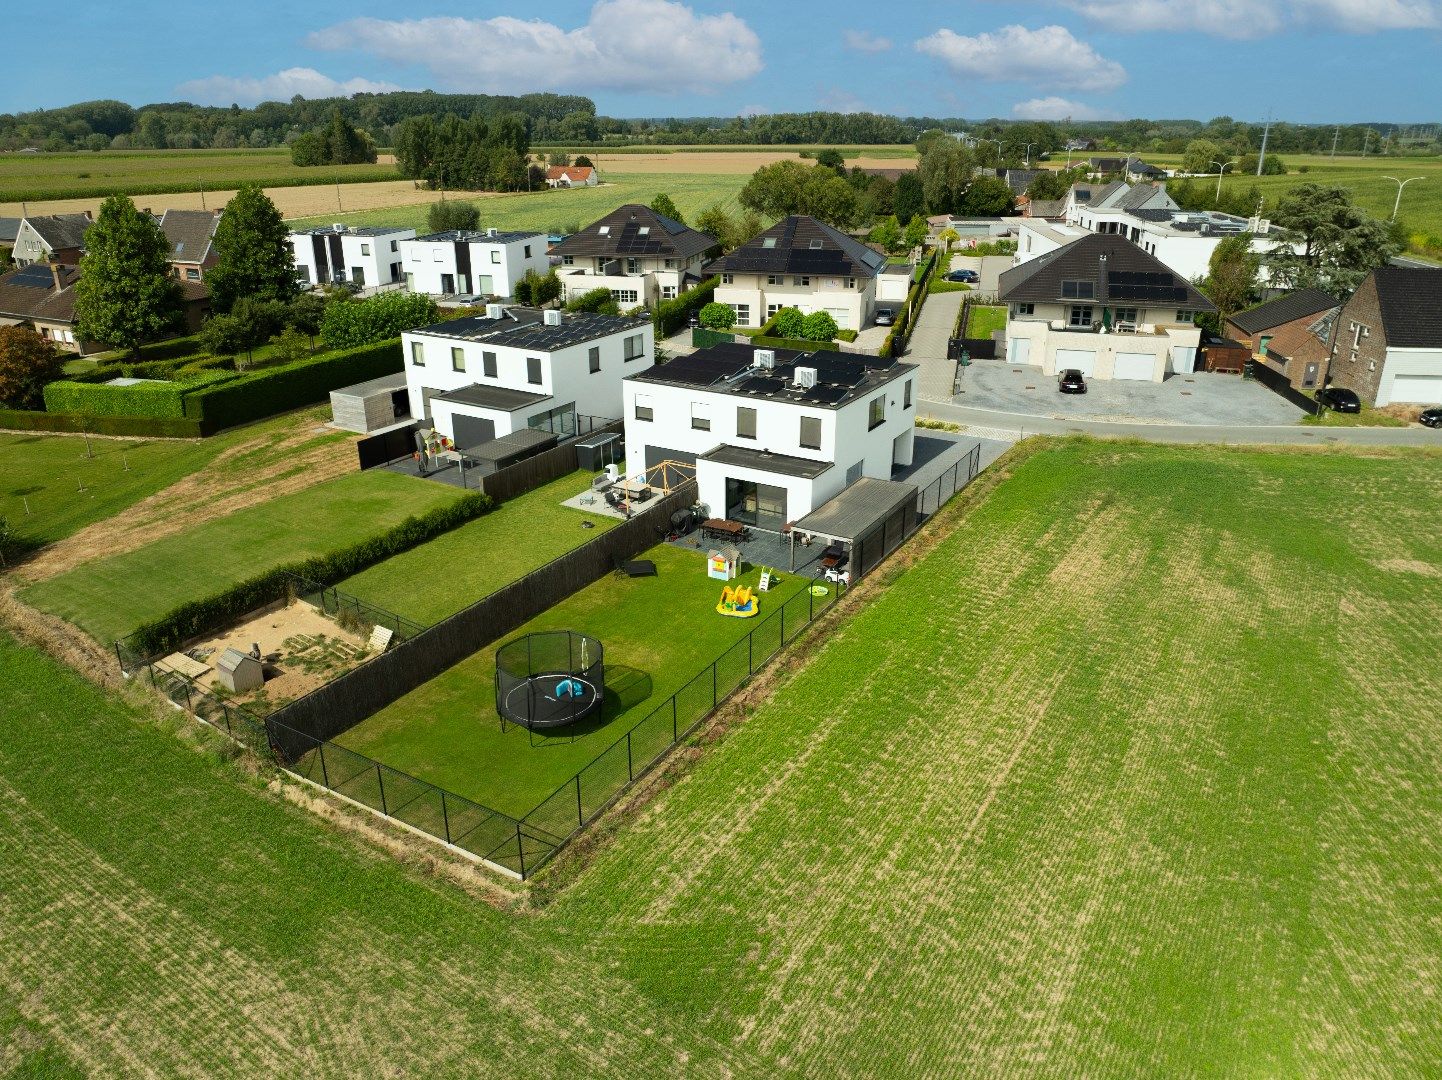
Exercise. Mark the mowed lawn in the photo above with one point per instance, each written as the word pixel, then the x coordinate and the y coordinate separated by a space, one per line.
pixel 457 568
pixel 110 597
pixel 984 320
pixel 658 633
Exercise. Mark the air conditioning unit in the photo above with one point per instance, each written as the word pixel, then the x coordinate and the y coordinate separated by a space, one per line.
pixel 552 317
pixel 492 231
pixel 764 358
pixel 338 226
pixel 495 311
pixel 806 377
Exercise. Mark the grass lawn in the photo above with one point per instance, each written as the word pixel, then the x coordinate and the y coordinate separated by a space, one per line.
pixel 1368 417
pixel 984 320
pixel 457 568
pixel 658 633
pixel 108 598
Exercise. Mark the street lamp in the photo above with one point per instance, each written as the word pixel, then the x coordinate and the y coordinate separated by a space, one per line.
pixel 1221 168
pixel 1400 185
pixel 1028 154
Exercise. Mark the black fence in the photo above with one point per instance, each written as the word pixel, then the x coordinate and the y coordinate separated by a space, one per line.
pixel 1275 381
pixel 531 473
pixel 938 493
pixel 386 446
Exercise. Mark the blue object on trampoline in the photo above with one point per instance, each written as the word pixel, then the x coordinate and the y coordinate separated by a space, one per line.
pixel 569 688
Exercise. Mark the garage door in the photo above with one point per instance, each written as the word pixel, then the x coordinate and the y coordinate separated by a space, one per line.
pixel 1134 365
pixel 657 454
pixel 1084 360
pixel 1417 389
pixel 842 316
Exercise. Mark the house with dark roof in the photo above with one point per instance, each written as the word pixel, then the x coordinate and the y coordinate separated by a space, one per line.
pixel 1131 167
pixel 566 176
pixel 488 262
pixel 41 296
pixel 189 233
pixel 643 257
pixel 1116 195
pixel 1103 306
pixel 1387 340
pixel 1280 319
pixel 57 237
pixel 802 263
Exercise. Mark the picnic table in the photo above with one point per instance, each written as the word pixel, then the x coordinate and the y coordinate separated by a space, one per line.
pixel 723 529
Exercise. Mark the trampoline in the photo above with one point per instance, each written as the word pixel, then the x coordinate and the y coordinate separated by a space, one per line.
pixel 550 680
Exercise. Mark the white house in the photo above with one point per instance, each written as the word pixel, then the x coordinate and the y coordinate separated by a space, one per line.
pixel 1103 306
pixel 478 378
pixel 1116 195
pixel 893 283
pixel 773 434
pixel 340 253
pixel 643 257
pixel 802 263
pixel 568 176
pixel 485 263
pixel 51 237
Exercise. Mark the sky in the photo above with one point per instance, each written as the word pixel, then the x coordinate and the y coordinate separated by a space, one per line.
pixel 1309 61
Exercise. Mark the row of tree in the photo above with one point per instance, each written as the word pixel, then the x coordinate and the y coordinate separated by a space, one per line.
pixel 471 154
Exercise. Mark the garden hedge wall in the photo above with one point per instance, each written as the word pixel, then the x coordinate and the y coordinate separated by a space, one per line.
pixel 793 343
pixel 138 427
pixel 673 315
pixel 149 400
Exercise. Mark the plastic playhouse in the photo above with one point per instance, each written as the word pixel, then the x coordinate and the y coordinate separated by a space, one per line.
pixel 738 603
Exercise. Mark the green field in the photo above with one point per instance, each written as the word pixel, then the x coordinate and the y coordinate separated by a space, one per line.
pixel 457 568
pixel 157 172
pixel 110 597
pixel 50 488
pixel 1135 775
pixel 545 211
pixel 658 633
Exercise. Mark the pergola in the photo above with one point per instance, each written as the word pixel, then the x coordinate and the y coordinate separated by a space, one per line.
pixel 855 514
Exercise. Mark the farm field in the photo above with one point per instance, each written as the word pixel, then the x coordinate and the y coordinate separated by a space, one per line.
pixel 110 597
pixel 457 568
pixel 738 161
pixel 658 633
pixel 1131 776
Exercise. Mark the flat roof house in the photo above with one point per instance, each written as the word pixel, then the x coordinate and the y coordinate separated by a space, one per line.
pixel 1387 339
pixel 190 234
pixel 486 376
pixel 57 237
pixel 802 263
pixel 339 253
pixel 773 433
pixel 480 263
pixel 643 257
pixel 1103 306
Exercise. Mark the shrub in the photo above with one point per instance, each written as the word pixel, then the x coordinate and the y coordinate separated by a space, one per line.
pixel 150 400
pixel 137 427
pixel 799 344
pixel 716 316
pixel 27 363
pixel 789 323
pixel 597 300
pixel 846 334
pixel 449 215
pixel 291 346
pixel 819 326
pixel 349 325
pixel 672 315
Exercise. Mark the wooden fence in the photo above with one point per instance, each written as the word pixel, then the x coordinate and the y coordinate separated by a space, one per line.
pixel 532 472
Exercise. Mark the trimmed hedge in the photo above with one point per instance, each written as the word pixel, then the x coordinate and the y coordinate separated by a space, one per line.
pixel 138 427
pixel 595 300
pixel 151 400
pixel 794 343
pixel 673 315
pixel 201 616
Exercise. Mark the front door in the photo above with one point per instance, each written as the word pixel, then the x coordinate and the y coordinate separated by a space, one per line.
pixel 448 284
pixel 358 274
pixel 1309 376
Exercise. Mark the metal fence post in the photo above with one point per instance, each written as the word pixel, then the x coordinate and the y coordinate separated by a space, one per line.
pixel 520 851
pixel 324 772
pixel 713 686
pixel 381 780
pixel 751 653
pixel 674 734
pixel 445 814
pixel 188 707
pixel 580 817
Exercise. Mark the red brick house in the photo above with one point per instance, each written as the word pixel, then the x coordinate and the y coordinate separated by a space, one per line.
pixel 558 176
pixel 1387 338
pixel 1291 334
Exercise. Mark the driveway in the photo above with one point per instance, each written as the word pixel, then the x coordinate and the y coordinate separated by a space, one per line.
pixel 1202 398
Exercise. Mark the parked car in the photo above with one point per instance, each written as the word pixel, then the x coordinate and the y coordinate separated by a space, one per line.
pixel 1071 381
pixel 1339 399
pixel 971 277
pixel 885 316
pixel 1431 417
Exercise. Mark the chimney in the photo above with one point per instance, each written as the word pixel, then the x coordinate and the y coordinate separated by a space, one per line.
pixel 55 275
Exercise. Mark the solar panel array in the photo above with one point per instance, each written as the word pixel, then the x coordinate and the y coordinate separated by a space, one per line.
pixel 34 276
pixel 633 242
pixel 1144 285
pixel 699 369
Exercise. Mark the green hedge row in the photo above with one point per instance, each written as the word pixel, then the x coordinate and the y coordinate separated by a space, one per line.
pixel 673 315
pixel 920 288
pixel 149 400
pixel 137 427
pixel 202 616
pixel 794 343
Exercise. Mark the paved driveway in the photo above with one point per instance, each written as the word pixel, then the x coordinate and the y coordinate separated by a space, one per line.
pixel 1200 398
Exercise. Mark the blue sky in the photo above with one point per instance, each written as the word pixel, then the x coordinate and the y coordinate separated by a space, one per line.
pixel 1302 60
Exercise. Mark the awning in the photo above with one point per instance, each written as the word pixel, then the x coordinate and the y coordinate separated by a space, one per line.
pixel 857 510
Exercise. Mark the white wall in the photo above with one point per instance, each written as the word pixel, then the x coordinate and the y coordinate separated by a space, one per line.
pixel 801 493
pixel 1172 347
pixel 851 308
pixel 372 256
pixel 1410 362
pixel 651 279
pixel 496 265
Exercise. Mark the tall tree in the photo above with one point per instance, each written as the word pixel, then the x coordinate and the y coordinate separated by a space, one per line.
pixel 908 199
pixel 946 171
pixel 253 252
pixel 788 187
pixel 1232 275
pixel 27 363
pixel 1341 243
pixel 915 231
pixel 126 294
pixel 988 196
pixel 664 206
pixel 1199 155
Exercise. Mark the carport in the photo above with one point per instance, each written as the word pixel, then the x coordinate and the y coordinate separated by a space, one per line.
pixel 871 517
pixel 508 449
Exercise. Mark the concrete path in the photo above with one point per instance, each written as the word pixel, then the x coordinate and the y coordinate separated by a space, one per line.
pixel 927 346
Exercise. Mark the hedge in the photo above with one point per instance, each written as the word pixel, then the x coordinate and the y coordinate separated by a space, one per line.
pixel 594 300
pixel 794 343
pixel 151 400
pixel 137 427
pixel 202 616
pixel 673 315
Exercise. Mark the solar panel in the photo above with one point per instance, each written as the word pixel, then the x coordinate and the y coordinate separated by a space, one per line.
pixel 763 385
pixel 826 395
pixel 836 370
pixel 35 276
pixel 699 369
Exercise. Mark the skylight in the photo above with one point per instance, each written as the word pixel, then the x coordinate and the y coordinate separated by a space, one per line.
pixel 604 230
pixel 769 242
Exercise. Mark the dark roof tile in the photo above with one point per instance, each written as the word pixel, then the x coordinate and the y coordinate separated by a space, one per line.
pixel 1411 303
pixel 1113 265
pixel 802 245
pixel 1284 309
pixel 635 230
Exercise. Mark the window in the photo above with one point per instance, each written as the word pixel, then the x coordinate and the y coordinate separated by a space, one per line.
pixel 906 395
pixel 488 364
pixel 726 279
pixel 851 283
pixel 192 274
pixel 643 230
pixel 624 296
pixel 635 347
pixel 395 245
pixel 1184 316
pixel 495 256
pixel 1125 314
pixel 670 264
pixel 876 413
pixel 595 358
pixel 769 242
pixel 1266 340
pixel 1081 315
pixel 771 310
pixel 604 230
pixel 801 281
pixel 1077 290
pixel 533 370
pixel 700 416
pixel 568 260
pixel 816 245
pixel 745 422
pixel 743 314
pixel 633 266
pixel 811 433
pixel 1026 309
pixel 527 251
pixel 458 359
pixel 415 254
pixel 775 279
pixel 668 292
pixel 435 255
pixel 643 407
pixel 365 249
pixel 418 354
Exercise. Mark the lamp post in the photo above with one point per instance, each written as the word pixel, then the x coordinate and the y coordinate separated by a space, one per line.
pixel 1221 168
pixel 1028 154
pixel 1400 185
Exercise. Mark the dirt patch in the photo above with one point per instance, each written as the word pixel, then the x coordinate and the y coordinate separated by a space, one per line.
pixel 1411 566
pixel 723 162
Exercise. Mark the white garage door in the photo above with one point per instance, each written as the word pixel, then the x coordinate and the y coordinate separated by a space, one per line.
pixel 1084 360
pixel 1417 389
pixel 1018 350
pixel 842 317
pixel 1134 365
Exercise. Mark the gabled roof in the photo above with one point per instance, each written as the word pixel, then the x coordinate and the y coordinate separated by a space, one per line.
pixel 9 226
pixel 577 174
pixel 1096 196
pixel 1117 270
pixel 1284 309
pixel 189 233
pixel 30 293
pixel 1045 208
pixel 1139 195
pixel 1411 303
pixel 634 230
pixel 802 245
pixel 1018 179
pixel 61 231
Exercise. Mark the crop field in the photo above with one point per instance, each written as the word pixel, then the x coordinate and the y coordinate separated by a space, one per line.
pixel 110 597
pixel 1136 774
pixel 658 633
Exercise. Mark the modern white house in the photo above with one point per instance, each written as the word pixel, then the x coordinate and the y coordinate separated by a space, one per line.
pixel 1103 306
pixel 643 257
pixel 342 253
pixel 773 434
pixel 1116 195
pixel 487 263
pixel 482 377
pixel 802 263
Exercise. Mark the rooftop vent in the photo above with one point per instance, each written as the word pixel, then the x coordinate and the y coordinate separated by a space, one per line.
pixel 492 231
pixel 495 311
pixel 806 377
pixel 552 317
pixel 764 359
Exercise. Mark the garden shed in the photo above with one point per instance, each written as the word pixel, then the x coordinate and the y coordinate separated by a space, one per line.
pixel 372 405
pixel 239 672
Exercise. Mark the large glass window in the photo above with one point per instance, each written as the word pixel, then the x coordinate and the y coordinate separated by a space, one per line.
pixel 1081 315
pixel 745 422
pixel 635 346
pixel 488 364
pixel 458 359
pixel 759 505
pixel 811 432
pixel 533 370
pixel 595 359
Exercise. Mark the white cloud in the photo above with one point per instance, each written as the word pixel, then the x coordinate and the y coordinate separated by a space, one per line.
pixel 1057 108
pixel 1245 19
pixel 1048 56
pixel 1365 16
pixel 282 86
pixel 642 45
pixel 865 41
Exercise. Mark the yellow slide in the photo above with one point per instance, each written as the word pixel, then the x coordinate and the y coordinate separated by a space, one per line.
pixel 738 603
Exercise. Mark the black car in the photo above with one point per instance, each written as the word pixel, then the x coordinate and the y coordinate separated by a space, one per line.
pixel 885 316
pixel 971 277
pixel 1071 381
pixel 1431 417
pixel 1339 399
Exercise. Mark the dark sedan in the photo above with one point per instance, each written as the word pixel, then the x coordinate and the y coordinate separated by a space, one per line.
pixel 970 277
pixel 1431 417
pixel 1071 381
pixel 1339 399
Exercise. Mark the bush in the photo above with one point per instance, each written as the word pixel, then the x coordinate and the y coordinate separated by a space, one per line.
pixel 819 326
pixel 137 427
pixel 27 363
pixel 846 334
pixel 799 344
pixel 716 316
pixel 351 324
pixel 448 215
pixel 673 315
pixel 789 323
pixel 597 300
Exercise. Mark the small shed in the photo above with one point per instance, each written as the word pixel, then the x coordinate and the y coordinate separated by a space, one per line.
pixel 495 455
pixel 723 563
pixel 239 672
pixel 595 452
pixel 1224 354
pixel 372 405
